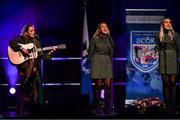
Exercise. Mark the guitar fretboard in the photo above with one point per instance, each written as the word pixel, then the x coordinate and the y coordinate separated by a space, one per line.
pixel 46 48
pixel 62 46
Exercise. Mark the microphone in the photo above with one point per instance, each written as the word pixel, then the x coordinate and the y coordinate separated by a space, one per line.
pixel 164 44
pixel 171 29
pixel 36 36
pixel 108 33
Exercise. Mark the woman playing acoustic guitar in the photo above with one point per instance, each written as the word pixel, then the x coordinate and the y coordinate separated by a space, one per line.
pixel 31 93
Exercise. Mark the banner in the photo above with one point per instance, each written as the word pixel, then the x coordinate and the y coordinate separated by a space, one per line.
pixel 143 77
pixel 143 54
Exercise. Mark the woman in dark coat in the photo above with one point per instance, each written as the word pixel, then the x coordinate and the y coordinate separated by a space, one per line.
pixel 31 92
pixel 100 54
pixel 168 46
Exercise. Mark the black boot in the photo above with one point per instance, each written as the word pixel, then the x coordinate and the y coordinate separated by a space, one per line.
pixel 98 100
pixel 107 101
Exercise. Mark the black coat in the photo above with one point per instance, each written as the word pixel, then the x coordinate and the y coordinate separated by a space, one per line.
pixel 169 51
pixel 100 54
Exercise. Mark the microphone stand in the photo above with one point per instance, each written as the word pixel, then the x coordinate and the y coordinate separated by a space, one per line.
pixel 177 64
pixel 175 42
pixel 164 51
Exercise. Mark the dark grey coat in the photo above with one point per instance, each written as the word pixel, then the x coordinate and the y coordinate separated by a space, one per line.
pixel 168 53
pixel 100 54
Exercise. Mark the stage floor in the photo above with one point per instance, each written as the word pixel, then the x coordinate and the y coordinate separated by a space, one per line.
pixel 66 102
pixel 126 113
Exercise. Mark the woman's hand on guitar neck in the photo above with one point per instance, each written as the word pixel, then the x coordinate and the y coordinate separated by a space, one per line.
pixel 53 50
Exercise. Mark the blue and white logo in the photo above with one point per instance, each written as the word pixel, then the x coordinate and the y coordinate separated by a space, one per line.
pixel 143 52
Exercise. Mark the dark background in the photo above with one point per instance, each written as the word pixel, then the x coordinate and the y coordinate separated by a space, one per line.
pixel 61 22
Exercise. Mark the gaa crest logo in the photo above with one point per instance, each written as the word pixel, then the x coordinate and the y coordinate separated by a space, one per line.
pixel 143 52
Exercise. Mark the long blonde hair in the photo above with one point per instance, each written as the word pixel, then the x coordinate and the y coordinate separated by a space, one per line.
pixel 161 33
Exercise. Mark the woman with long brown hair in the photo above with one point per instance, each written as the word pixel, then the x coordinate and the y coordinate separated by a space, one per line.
pixel 31 92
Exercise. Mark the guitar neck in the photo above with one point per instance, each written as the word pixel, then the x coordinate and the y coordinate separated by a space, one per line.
pixel 61 46
pixel 46 48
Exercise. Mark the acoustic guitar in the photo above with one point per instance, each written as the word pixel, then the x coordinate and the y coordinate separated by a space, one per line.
pixel 17 58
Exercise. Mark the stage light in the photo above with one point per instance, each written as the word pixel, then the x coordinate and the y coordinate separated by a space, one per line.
pixel 102 93
pixel 12 90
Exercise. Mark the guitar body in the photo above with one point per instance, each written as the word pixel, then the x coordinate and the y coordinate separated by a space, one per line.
pixel 17 58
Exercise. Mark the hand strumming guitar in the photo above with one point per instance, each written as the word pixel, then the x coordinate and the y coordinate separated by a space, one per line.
pixel 24 51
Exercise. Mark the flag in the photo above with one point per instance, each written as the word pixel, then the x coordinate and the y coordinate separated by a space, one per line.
pixel 86 82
